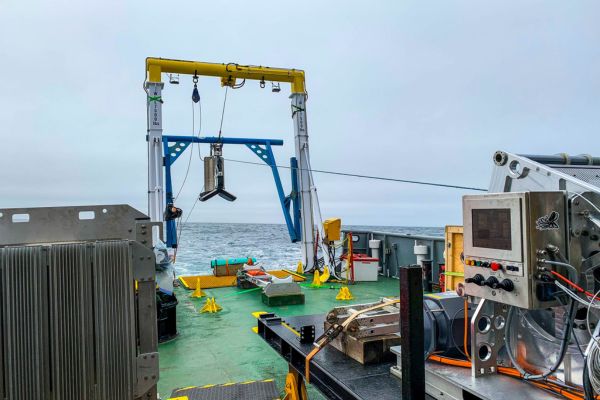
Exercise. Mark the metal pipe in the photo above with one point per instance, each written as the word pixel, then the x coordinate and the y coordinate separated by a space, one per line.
pixel 412 333
pixel 563 159
pixel 214 139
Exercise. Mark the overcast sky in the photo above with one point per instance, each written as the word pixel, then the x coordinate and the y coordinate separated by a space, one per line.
pixel 408 89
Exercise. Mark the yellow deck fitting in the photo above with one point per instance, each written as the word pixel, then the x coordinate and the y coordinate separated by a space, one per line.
pixel 257 314
pixel 344 294
pixel 325 275
pixel 294 387
pixel 198 291
pixel 300 268
pixel 316 279
pixel 211 306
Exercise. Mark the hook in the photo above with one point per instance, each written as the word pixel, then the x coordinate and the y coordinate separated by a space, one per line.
pixel 262 83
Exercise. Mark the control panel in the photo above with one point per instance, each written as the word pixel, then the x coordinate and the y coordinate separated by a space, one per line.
pixel 505 234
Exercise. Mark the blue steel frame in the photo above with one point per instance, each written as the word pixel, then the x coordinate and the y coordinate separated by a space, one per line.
pixel 174 146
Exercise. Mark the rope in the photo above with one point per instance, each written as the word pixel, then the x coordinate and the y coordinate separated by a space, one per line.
pixel 365 176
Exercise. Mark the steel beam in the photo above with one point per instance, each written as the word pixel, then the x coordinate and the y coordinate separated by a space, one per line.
pixel 155 160
pixel 303 172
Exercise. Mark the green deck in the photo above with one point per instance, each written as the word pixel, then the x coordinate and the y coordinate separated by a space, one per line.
pixel 220 348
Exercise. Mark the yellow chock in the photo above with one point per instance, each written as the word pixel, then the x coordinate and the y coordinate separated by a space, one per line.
pixel 344 294
pixel 325 275
pixel 211 306
pixel 316 279
pixel 198 291
pixel 300 268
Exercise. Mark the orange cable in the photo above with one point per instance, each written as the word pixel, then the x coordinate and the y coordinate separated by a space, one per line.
pixel 466 335
pixel 579 289
pixel 571 394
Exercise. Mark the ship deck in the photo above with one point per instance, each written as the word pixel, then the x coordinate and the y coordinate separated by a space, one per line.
pixel 221 348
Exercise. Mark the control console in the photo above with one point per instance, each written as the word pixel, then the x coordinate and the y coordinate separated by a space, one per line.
pixel 505 234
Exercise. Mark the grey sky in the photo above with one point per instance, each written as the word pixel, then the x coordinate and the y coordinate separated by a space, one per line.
pixel 406 89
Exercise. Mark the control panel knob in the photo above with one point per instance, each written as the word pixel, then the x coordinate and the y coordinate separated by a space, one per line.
pixel 477 279
pixel 506 285
pixel 495 266
pixel 491 282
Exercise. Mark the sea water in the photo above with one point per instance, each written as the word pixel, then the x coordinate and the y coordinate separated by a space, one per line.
pixel 200 243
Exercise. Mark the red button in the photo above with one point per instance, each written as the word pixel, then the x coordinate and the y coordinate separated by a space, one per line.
pixel 495 266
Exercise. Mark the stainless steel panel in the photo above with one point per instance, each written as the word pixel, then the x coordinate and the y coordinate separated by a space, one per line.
pixel 115 344
pixel 64 224
pixel 528 237
pixel 24 328
pixel 71 321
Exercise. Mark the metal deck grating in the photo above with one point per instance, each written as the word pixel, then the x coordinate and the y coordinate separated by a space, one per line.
pixel 586 173
pixel 255 390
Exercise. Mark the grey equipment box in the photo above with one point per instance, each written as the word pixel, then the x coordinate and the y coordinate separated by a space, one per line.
pixel 77 304
pixel 504 235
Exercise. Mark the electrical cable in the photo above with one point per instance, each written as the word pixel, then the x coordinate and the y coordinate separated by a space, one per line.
pixel 466 328
pixel 555 386
pixel 571 268
pixel 364 176
pixel 579 288
pixel 589 329
pixel 574 296
pixel 563 346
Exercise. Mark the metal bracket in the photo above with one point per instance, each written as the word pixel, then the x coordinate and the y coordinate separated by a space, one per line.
pixel 487 337
pixel 144 262
pixel 147 373
pixel 173 151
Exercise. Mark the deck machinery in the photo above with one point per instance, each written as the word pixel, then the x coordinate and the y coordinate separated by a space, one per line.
pixel 532 281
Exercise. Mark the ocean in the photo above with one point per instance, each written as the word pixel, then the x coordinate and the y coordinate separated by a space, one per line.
pixel 268 243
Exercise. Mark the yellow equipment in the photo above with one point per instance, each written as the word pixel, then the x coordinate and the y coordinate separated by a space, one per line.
pixel 332 229
pixel 294 386
pixel 211 306
pixel 316 279
pixel 454 273
pixel 325 275
pixel 344 294
pixel 198 291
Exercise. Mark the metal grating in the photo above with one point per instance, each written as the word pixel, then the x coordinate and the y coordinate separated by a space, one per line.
pixel 589 174
pixel 23 331
pixel 71 321
pixel 255 390
pixel 68 322
pixel 115 320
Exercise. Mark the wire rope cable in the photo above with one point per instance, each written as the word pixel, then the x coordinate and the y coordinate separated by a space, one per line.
pixel 187 170
pixel 223 111
pixel 381 178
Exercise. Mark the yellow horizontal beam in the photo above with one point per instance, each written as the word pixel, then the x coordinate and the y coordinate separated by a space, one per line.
pixel 228 72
